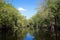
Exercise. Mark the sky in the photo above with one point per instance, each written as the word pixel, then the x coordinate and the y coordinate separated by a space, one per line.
pixel 26 7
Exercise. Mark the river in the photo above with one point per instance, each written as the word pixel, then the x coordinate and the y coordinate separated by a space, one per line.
pixel 29 37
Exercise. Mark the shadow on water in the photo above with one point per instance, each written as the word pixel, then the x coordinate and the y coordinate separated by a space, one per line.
pixel 29 37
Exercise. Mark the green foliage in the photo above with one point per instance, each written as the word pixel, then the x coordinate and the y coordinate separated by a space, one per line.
pixel 47 22
pixel 44 25
pixel 11 23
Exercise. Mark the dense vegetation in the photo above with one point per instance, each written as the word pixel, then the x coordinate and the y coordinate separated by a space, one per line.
pixel 47 21
pixel 44 25
pixel 11 23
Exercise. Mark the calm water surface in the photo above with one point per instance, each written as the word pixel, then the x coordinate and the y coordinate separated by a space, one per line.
pixel 29 37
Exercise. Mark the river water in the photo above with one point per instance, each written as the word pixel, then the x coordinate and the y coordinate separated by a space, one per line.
pixel 29 37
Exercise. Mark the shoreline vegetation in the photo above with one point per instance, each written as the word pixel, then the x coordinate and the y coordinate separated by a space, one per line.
pixel 44 25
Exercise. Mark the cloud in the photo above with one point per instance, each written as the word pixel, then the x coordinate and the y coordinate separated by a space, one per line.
pixel 21 9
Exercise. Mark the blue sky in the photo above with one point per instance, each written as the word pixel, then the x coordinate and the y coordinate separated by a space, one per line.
pixel 26 7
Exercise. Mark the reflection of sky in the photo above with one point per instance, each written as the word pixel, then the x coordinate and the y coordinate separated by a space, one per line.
pixel 29 37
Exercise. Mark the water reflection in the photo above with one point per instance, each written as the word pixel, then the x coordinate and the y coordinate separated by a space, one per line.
pixel 29 37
